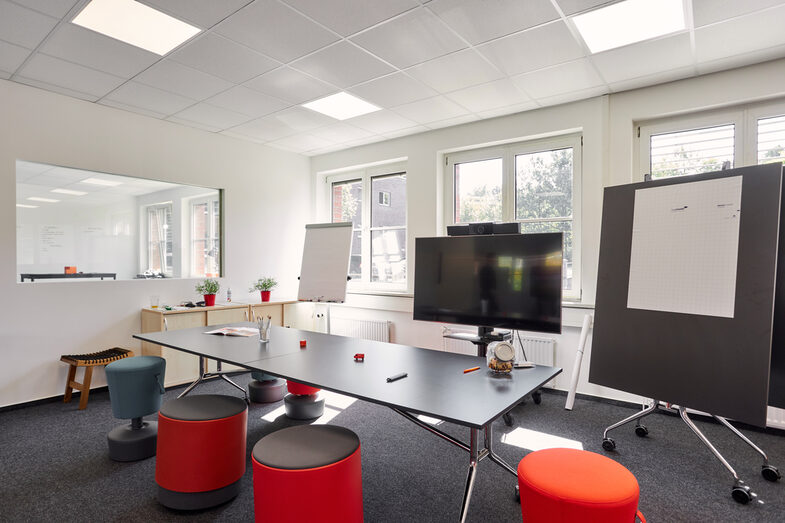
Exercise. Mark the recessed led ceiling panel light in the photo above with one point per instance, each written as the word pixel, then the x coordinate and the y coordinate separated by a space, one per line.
pixel 101 181
pixel 341 106
pixel 628 22
pixel 39 199
pixel 26 206
pixel 69 191
pixel 135 24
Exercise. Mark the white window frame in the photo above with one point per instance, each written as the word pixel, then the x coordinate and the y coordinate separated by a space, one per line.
pixel 365 175
pixel 191 204
pixel 507 153
pixel 753 114
pixel 146 259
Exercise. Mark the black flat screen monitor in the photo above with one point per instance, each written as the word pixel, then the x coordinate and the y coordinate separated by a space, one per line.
pixel 511 281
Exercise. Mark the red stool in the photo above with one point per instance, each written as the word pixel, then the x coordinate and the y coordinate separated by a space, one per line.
pixel 302 401
pixel 201 450
pixel 566 485
pixel 308 473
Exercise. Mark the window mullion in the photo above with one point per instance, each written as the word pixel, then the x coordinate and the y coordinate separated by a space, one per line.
pixel 366 229
pixel 508 185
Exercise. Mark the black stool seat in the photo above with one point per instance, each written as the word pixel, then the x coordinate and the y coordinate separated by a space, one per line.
pixel 306 447
pixel 203 407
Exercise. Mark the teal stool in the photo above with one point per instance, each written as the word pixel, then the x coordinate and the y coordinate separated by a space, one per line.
pixel 265 388
pixel 135 389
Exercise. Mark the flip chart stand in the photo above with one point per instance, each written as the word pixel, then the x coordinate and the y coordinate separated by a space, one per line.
pixel 740 491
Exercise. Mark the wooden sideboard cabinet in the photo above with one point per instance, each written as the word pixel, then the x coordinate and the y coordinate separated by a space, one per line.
pixel 182 367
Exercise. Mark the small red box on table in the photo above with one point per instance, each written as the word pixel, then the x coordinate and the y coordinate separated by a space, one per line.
pixel 359 357
pixel 302 343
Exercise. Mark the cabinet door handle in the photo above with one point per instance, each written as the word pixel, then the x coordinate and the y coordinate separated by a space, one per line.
pixel 166 325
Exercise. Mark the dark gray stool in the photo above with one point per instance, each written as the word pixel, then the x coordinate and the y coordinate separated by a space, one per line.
pixel 302 402
pixel 265 388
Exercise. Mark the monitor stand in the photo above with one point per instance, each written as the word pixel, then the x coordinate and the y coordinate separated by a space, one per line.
pixel 484 336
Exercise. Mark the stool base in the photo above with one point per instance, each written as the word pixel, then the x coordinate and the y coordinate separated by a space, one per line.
pixel 268 391
pixel 128 444
pixel 197 500
pixel 307 406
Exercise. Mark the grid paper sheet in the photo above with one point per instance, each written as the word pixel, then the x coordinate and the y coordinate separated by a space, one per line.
pixel 685 242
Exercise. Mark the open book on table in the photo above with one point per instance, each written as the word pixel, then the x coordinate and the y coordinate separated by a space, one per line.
pixel 235 331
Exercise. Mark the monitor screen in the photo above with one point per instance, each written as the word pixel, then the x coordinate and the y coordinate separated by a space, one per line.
pixel 511 281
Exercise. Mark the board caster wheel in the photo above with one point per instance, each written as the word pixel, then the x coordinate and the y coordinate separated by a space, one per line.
pixel 641 431
pixel 537 397
pixel 742 494
pixel 608 444
pixel 507 419
pixel 517 493
pixel 770 473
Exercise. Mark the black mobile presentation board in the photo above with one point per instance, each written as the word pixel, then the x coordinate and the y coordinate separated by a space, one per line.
pixel 691 348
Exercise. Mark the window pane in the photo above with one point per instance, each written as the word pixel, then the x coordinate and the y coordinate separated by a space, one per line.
pixel 566 228
pixel 478 191
pixel 355 260
pixel 347 202
pixel 543 184
pixel 388 207
pixel 771 139
pixel 199 258
pixel 691 152
pixel 388 255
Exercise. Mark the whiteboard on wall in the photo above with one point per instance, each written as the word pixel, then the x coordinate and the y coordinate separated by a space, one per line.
pixel 325 265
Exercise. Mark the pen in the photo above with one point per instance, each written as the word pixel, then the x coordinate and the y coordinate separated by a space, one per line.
pixel 397 377
pixel 471 369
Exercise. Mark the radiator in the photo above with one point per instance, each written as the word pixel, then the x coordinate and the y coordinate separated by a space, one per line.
pixel 775 418
pixel 363 329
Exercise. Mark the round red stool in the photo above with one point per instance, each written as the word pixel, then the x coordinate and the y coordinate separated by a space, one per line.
pixel 201 450
pixel 566 485
pixel 308 473
pixel 302 402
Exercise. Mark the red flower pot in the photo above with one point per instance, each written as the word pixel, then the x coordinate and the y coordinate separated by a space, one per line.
pixel 265 295
pixel 209 300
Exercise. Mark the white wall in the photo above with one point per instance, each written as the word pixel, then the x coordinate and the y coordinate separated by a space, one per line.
pixel 267 204
pixel 608 127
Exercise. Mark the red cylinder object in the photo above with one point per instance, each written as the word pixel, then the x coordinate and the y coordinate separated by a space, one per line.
pixel 265 295
pixel 300 389
pixel 209 300
pixel 198 456
pixel 329 494
pixel 566 485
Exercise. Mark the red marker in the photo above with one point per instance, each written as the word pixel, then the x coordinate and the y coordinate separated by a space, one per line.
pixel 465 371
pixel 302 343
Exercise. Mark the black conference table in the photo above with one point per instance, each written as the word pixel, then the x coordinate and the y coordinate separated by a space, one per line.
pixel 435 386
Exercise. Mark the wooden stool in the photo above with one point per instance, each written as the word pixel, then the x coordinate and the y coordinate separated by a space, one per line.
pixel 88 361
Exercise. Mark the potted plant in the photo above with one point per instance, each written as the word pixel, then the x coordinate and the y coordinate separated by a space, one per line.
pixel 208 288
pixel 265 285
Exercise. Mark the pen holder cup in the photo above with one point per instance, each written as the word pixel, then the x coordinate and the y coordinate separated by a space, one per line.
pixel 264 333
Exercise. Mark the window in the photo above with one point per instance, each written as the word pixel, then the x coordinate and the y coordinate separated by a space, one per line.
pixel 374 200
pixel 693 151
pixel 159 238
pixel 771 139
pixel 535 183
pixel 205 238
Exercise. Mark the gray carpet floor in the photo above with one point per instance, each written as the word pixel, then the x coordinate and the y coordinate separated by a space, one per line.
pixel 55 465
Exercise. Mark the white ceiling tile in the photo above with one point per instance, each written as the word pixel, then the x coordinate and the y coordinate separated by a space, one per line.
pixel 391 90
pixel 406 132
pixel 143 96
pixel 431 110
pixel 452 122
pixel 55 8
pixel 301 119
pixel 5 75
pixel 204 13
pixel 12 56
pixel 75 77
pixel 349 16
pixel 573 96
pixel 706 12
pixel 533 49
pixel 220 57
pixel 489 96
pixel 482 21
pixel 301 142
pixel 22 26
pixel 653 79
pixel 131 109
pixel 509 109
pixel 275 30
pixel 264 129
pixel 82 46
pixel 559 79
pixel 247 101
pixel 181 79
pixel 644 58
pixel 741 35
pixel 571 7
pixel 239 136
pixel 290 85
pixel 740 60
pixel 383 121
pixel 342 64
pixel 410 39
pixel 455 71
pixel 214 118
pixel 55 88
pixel 340 133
